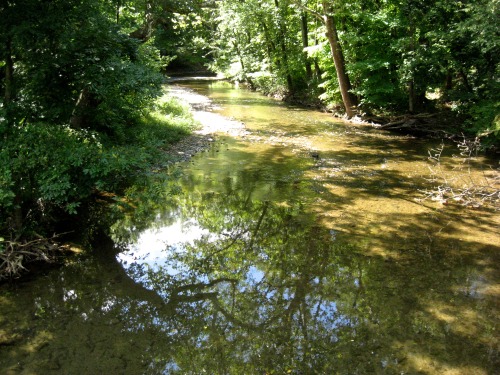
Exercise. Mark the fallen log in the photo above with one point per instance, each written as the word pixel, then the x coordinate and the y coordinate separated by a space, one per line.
pixel 400 124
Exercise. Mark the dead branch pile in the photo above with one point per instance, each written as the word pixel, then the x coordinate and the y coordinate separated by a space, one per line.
pixel 464 189
pixel 427 124
pixel 15 254
pixel 424 122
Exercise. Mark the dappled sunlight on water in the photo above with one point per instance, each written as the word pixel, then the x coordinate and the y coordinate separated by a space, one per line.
pixel 302 245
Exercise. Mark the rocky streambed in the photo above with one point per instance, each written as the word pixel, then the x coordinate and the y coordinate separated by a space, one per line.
pixel 210 124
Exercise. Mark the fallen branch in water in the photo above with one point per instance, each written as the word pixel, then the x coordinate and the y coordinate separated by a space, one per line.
pixel 15 254
pixel 440 124
pixel 382 122
pixel 462 188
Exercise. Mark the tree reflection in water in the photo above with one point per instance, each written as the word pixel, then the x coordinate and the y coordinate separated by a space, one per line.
pixel 259 287
pixel 264 260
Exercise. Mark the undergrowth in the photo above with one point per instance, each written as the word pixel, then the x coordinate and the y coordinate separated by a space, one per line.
pixel 50 173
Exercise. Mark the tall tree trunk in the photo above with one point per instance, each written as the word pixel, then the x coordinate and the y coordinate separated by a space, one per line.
pixel 465 80
pixel 448 83
pixel 327 18
pixel 17 215
pixel 317 69
pixel 240 57
pixel 270 46
pixel 9 96
pixel 338 58
pixel 284 52
pixel 411 83
pixel 9 75
pixel 117 10
pixel 78 117
pixel 146 30
pixel 411 96
pixel 305 43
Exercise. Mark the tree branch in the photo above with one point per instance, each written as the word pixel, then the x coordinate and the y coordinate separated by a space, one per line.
pixel 316 14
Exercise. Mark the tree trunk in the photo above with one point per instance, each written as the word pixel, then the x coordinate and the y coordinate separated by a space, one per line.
pixel 465 80
pixel 448 84
pixel 411 96
pixel 17 216
pixel 305 43
pixel 284 52
pixel 238 52
pixel 117 9
pixel 317 69
pixel 270 46
pixel 338 58
pixel 9 75
pixel 9 96
pixel 77 120
pixel 146 30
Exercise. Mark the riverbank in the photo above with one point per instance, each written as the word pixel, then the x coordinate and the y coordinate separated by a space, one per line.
pixel 209 123
pixel 252 228
pixel 441 126
pixel 60 173
pixel 205 128
pixel 436 121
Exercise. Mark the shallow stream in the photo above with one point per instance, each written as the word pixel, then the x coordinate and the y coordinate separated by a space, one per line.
pixel 301 245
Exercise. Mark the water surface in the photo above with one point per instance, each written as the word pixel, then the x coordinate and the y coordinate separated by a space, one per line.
pixel 299 246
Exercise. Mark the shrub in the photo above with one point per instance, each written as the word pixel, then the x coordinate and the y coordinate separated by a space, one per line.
pixel 47 169
pixel 268 84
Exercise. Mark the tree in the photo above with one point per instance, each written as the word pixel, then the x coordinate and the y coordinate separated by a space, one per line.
pixel 265 36
pixel 327 17
pixel 338 58
pixel 71 79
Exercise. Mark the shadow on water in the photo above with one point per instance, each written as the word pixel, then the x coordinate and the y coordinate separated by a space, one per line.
pixel 269 260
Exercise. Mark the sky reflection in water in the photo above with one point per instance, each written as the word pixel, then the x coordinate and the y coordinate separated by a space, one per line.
pixel 270 261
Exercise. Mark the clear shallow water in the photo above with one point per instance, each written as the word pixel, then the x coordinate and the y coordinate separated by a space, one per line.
pixel 298 247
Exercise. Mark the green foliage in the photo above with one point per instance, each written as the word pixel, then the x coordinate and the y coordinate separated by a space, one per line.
pixel 263 38
pixel 76 63
pixel 183 31
pixel 331 91
pixel 395 53
pixel 74 48
pixel 46 169
pixel 485 121
pixel 126 90
pixel 268 84
pixel 6 181
pixel 167 122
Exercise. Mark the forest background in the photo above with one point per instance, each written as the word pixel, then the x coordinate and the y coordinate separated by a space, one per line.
pixel 83 114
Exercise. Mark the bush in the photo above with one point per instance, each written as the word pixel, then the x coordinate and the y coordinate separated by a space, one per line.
pixel 268 84
pixel 47 166
pixel 485 122
pixel 49 169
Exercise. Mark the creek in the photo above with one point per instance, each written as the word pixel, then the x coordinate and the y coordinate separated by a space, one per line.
pixel 300 244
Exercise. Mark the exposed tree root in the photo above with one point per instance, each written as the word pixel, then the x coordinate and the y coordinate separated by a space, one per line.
pixel 408 121
pixel 427 124
pixel 443 124
pixel 16 254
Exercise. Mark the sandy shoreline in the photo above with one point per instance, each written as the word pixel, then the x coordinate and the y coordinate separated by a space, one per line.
pixel 211 124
